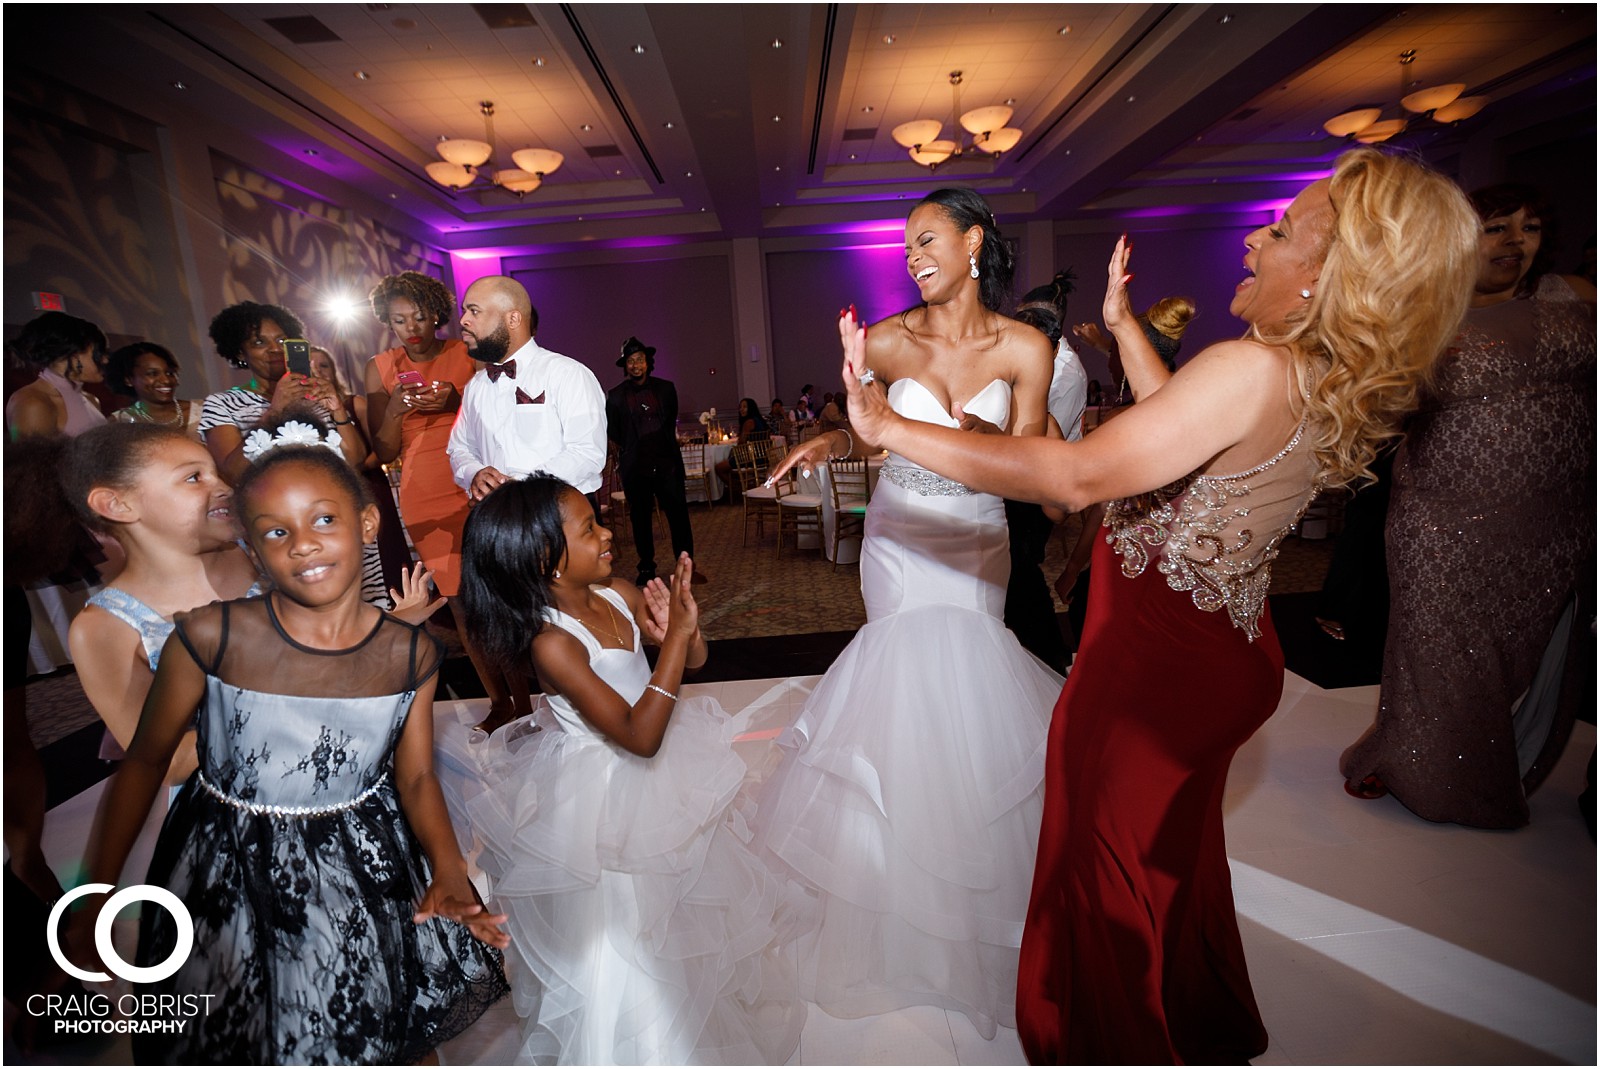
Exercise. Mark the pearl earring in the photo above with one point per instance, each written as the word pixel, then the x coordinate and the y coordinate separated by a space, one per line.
pixel 972 263
pixel 1305 294
pixel 557 573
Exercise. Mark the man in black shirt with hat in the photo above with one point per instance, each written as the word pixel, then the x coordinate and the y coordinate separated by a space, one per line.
pixel 642 418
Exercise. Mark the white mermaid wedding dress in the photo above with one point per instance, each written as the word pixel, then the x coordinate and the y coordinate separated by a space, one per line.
pixel 910 790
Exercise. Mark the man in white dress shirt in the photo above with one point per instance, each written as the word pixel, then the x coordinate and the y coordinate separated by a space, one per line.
pixel 527 410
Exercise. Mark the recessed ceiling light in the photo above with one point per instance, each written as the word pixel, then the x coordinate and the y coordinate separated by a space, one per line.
pixel 777 42
pixel 888 38
pixel 1224 20
pixel 852 155
pixel 538 61
pixel 1067 153
pixel 777 118
pixel 868 109
pixel 363 76
pixel 702 209
pixel 394 196
pixel 1131 99
pixel 668 124
pixel 1011 102
pixel 312 152
pixel 180 85
pixel 638 50
pixel 580 218
pixel 1064 31
pixel 777 168
pixel 688 174
pixel 617 171
pixel 586 127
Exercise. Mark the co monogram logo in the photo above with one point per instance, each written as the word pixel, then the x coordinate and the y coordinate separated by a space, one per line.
pixel 142 892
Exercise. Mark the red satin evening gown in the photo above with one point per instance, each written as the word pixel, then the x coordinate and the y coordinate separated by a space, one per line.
pixel 1131 950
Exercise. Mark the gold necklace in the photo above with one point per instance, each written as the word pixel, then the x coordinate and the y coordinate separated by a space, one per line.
pixel 143 411
pixel 611 614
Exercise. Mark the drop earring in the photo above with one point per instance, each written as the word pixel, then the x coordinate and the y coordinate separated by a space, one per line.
pixel 557 574
pixel 972 263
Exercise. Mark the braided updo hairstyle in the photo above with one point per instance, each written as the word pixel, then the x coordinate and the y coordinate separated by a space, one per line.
pixel 996 263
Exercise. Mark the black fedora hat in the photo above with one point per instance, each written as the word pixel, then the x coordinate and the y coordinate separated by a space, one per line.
pixel 634 345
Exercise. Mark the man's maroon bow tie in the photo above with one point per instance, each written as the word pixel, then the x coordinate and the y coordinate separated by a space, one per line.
pixel 508 367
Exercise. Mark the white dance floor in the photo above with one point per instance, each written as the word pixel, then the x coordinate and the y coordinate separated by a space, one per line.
pixel 1373 937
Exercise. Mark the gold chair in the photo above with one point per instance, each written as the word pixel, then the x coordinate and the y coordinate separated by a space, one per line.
pixel 696 469
pixel 798 511
pixel 749 462
pixel 849 489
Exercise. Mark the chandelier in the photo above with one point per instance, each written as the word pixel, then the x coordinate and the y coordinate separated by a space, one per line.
pixel 1441 103
pixel 986 125
pixel 464 161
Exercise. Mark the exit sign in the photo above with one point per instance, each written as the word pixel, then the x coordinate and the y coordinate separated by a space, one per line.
pixel 49 302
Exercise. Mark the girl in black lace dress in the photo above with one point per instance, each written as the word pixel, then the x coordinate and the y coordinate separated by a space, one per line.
pixel 312 846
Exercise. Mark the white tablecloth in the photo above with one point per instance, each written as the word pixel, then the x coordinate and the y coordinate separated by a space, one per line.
pixel 694 489
pixel 850 546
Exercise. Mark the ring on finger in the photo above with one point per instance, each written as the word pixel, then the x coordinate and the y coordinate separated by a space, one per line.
pixel 867 378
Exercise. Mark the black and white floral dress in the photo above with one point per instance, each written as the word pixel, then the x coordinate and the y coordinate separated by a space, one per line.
pixel 291 851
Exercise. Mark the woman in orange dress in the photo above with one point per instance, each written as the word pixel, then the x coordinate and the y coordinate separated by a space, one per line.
pixel 413 392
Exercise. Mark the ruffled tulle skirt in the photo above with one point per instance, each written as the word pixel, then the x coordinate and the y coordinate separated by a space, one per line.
pixel 908 802
pixel 643 928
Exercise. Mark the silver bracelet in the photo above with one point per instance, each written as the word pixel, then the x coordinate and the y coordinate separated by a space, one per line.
pixel 665 693
pixel 851 448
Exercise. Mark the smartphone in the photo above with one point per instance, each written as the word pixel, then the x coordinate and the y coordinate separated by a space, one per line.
pixel 298 350
pixel 410 378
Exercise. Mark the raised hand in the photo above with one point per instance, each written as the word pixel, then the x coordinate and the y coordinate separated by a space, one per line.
pixel 870 414
pixel 411 601
pixel 683 613
pixel 1117 310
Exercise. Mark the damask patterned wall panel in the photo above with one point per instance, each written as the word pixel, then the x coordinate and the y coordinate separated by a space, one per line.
pixel 86 217
pixel 286 246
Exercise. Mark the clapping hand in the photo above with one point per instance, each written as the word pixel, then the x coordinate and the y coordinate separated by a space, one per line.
pixel 411 601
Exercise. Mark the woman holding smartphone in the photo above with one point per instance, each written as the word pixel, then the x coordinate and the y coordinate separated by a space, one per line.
pixel 413 392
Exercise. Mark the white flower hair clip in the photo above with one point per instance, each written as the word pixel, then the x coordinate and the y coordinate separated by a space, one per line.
pixel 260 442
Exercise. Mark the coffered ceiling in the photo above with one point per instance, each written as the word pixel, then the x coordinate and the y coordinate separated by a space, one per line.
pixel 712 121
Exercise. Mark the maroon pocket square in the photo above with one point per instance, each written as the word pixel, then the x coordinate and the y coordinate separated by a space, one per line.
pixel 524 399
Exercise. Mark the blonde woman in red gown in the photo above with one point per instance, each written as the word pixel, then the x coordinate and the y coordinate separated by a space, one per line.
pixel 412 420
pixel 1131 951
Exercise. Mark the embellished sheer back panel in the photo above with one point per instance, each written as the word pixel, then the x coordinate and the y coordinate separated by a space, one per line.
pixel 1216 536
pixel 295 729
pixel 243 644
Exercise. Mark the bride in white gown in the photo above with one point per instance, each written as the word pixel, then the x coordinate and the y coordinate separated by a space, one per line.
pixel 909 794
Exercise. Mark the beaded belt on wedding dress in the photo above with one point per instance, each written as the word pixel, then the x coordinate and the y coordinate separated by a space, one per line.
pixel 259 810
pixel 924 482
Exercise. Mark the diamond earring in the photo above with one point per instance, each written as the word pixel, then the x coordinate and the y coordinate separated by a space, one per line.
pixel 972 262
pixel 1305 294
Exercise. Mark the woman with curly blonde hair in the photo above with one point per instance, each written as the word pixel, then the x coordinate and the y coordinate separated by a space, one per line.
pixel 1131 951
